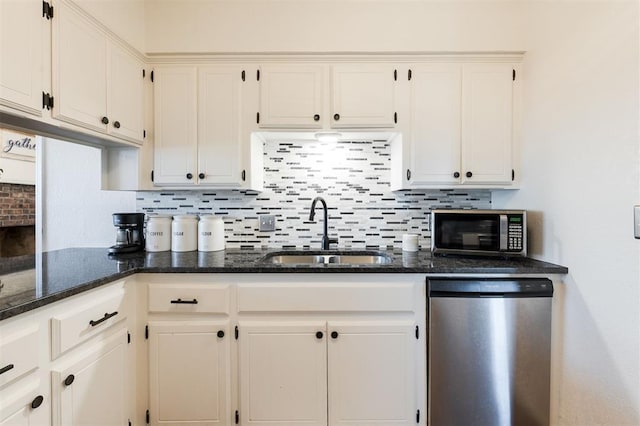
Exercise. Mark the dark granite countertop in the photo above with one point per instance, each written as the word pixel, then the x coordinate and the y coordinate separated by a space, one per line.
pixel 63 273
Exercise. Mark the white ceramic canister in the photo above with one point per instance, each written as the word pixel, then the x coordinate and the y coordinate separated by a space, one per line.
pixel 410 242
pixel 184 233
pixel 210 233
pixel 158 233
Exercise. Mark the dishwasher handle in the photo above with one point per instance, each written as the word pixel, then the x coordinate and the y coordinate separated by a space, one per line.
pixel 490 287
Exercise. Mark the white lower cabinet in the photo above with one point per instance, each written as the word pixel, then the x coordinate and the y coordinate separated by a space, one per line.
pixel 26 404
pixel 189 376
pixel 91 388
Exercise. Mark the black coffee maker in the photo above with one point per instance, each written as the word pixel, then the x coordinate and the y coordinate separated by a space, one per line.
pixel 130 233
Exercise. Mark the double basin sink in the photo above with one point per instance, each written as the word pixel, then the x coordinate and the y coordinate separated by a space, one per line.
pixel 333 257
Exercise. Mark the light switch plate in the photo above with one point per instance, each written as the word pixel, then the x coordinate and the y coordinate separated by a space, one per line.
pixel 267 223
pixel 636 222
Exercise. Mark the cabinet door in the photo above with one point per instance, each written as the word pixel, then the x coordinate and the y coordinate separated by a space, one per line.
pixel 189 373
pixel 27 404
pixel 92 390
pixel 283 373
pixel 126 94
pixel 363 95
pixel 21 24
pixel 291 96
pixel 175 144
pixel 79 70
pixel 372 370
pixel 487 99
pixel 434 132
pixel 219 123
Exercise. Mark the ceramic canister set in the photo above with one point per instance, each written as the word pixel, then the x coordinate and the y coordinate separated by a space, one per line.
pixel 183 233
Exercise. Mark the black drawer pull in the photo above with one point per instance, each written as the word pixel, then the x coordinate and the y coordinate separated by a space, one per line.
pixel 185 302
pixel 106 316
pixel 319 335
pixel 7 368
pixel 69 380
pixel 220 334
pixel 37 401
pixel 334 334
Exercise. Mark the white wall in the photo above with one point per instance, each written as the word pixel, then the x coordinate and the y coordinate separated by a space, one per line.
pixel 580 173
pixel 580 151
pixel 75 212
pixel 331 25
pixel 126 18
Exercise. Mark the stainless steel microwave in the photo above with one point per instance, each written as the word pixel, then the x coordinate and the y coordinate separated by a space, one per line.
pixel 479 232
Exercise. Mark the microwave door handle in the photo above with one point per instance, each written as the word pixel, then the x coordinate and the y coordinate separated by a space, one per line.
pixel 504 232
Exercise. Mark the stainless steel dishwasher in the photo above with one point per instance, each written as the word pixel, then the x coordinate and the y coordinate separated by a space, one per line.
pixel 489 351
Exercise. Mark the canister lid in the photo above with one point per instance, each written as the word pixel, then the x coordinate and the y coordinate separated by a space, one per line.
pixel 210 217
pixel 159 217
pixel 185 217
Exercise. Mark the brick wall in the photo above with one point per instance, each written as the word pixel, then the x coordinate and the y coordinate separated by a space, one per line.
pixel 17 205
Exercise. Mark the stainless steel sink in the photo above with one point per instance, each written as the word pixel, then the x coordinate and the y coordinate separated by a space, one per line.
pixel 327 258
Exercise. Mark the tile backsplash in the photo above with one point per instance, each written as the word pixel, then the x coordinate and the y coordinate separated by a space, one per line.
pixel 353 178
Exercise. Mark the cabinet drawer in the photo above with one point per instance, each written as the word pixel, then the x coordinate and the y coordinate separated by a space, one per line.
pixel 189 298
pixel 91 318
pixel 333 297
pixel 18 353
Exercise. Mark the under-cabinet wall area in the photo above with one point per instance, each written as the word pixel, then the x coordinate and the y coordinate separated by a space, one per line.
pixel 352 176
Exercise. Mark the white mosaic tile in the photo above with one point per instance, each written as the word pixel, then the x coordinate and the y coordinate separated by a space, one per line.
pixel 353 178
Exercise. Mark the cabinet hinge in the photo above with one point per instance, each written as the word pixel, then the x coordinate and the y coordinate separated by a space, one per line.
pixel 244 175
pixel 144 134
pixel 418 416
pixel 237 417
pixel 128 337
pixel 151 175
pixel 258 117
pixel 409 75
pixel 258 75
pixel 47 101
pixel 129 420
pixel 243 75
pixel 152 76
pixel 144 73
pixel 514 75
pixel 236 332
pixel 146 330
pixel 417 332
pixel 513 175
pixel 47 10
pixel 395 117
pixel 395 75
pixel 147 417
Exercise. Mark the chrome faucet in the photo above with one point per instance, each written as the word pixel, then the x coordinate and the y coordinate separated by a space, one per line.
pixel 326 241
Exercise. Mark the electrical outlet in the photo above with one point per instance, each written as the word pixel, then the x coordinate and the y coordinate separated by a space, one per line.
pixel 267 223
pixel 636 222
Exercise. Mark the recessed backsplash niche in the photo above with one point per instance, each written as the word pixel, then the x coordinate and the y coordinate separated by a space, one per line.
pixel 353 178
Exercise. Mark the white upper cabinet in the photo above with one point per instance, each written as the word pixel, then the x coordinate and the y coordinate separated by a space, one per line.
pixel 219 125
pixel 363 96
pixel 176 127
pixel 292 96
pixel 97 84
pixel 199 137
pixel 487 123
pixel 21 53
pixel 323 96
pixel 460 129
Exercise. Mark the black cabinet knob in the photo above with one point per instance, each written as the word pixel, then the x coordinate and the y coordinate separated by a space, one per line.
pixel 105 120
pixel 189 176
pixel 37 402
pixel 244 175
pixel 336 117
pixel 200 175
pixel 116 124
pixel 334 334
pixel 69 380
pixel 408 174
pixel 456 175
pixel 469 174
pixel 316 117
pixel 220 334
pixel 319 335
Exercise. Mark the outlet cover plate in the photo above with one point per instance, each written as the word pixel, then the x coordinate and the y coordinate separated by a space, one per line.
pixel 267 223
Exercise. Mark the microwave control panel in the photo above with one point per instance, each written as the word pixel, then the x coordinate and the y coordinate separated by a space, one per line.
pixel 515 232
